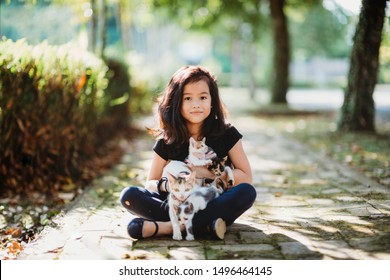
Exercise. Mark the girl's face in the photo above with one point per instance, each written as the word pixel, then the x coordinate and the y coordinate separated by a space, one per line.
pixel 196 103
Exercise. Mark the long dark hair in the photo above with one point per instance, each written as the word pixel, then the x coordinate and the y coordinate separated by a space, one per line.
pixel 172 126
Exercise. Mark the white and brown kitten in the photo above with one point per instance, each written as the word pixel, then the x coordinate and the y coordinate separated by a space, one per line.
pixel 180 187
pixel 199 153
pixel 198 200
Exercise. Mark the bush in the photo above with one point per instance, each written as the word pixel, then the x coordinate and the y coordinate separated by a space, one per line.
pixel 51 102
pixel 116 99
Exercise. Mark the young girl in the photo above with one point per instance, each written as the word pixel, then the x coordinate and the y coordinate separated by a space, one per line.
pixel 190 106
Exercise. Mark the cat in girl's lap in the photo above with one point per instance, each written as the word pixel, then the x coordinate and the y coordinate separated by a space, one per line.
pixel 185 199
pixel 202 155
pixel 188 194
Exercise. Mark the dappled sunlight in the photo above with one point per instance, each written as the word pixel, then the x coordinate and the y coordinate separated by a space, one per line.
pixel 325 236
pixel 312 181
pixel 320 202
pixel 260 164
pixel 334 249
pixel 365 230
pixel 322 227
pixel 349 198
pixel 186 253
pixel 348 219
pixel 312 211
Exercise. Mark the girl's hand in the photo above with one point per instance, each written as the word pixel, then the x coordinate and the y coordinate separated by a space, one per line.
pixel 151 185
pixel 211 154
pixel 201 171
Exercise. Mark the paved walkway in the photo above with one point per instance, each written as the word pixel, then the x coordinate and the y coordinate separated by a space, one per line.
pixel 308 207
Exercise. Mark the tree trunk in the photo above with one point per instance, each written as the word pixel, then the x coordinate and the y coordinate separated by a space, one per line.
pixel 358 110
pixel 281 60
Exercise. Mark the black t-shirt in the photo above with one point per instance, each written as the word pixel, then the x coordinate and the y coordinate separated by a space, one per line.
pixel 220 145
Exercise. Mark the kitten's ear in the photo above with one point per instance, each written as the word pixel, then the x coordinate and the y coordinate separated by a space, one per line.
pixel 225 159
pixel 192 176
pixel 192 142
pixel 204 140
pixel 171 178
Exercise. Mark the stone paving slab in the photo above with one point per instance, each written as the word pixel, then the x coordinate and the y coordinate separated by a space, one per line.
pixel 308 207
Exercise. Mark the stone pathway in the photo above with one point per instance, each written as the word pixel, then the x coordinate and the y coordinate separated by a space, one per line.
pixel 308 207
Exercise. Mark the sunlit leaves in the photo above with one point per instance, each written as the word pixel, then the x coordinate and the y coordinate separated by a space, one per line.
pixel 19 225
pixel 53 96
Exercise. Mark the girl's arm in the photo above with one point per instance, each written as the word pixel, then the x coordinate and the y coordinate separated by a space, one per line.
pixel 155 172
pixel 242 170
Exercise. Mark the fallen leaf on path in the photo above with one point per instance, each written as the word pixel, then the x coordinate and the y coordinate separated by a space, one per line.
pixel 13 231
pixel 56 250
pixel 14 247
pixel 278 194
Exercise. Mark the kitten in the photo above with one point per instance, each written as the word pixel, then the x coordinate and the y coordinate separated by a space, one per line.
pixel 224 178
pixel 198 200
pixel 180 186
pixel 199 153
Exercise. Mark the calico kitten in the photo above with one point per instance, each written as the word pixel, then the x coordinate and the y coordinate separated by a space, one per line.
pixel 199 153
pixel 224 178
pixel 180 186
pixel 198 200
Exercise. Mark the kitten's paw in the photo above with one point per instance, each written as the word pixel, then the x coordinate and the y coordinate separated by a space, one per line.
pixel 230 176
pixel 177 237
pixel 190 237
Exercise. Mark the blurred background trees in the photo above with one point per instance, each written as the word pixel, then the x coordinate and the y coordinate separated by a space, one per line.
pixel 266 46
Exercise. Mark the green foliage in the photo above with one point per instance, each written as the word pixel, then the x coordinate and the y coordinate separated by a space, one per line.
pixel 384 56
pixel 319 32
pixel 51 101
pixel 117 96
pixel 208 14
pixel 23 20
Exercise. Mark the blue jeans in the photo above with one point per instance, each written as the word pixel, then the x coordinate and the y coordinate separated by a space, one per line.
pixel 152 205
